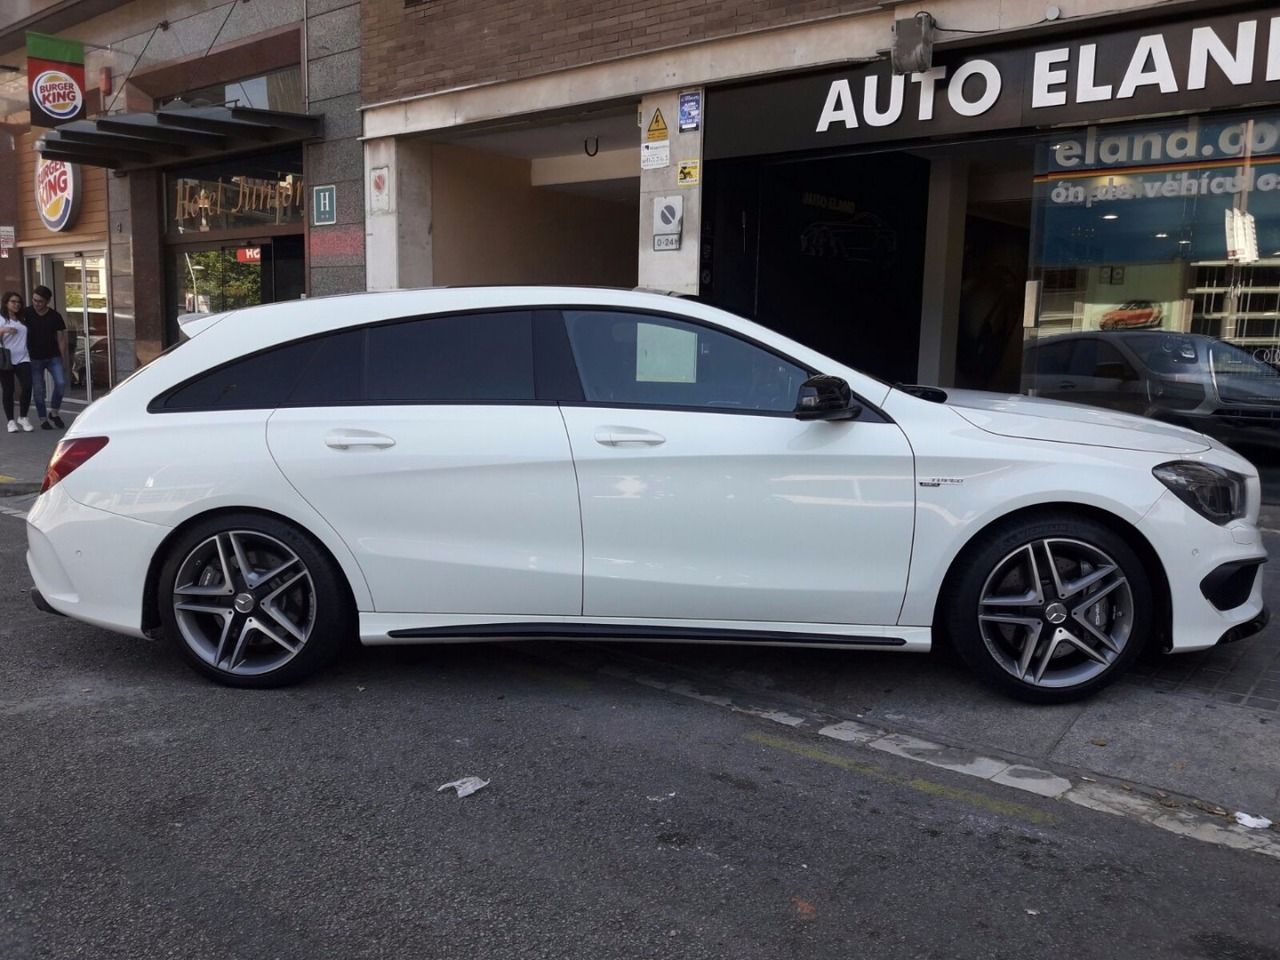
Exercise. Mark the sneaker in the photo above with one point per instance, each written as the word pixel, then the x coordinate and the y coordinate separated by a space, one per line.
pixel 46 425
pixel 25 424
pixel 13 427
pixel 57 421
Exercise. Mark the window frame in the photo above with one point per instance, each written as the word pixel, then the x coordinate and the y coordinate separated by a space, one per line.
pixel 870 412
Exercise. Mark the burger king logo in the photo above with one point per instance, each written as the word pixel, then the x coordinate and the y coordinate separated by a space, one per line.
pixel 57 192
pixel 57 94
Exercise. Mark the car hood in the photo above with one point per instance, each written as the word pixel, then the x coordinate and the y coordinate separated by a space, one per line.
pixel 1035 419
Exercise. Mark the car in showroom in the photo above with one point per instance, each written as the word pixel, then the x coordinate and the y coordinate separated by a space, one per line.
pixel 1191 380
pixel 455 465
pixel 1132 315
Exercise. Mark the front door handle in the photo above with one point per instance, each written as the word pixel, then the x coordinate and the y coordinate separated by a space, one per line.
pixel 619 436
pixel 1066 385
pixel 345 439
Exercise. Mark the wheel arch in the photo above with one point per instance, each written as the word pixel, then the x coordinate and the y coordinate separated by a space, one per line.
pixel 1118 525
pixel 151 587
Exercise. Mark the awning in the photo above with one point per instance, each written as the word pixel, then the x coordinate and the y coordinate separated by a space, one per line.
pixel 175 133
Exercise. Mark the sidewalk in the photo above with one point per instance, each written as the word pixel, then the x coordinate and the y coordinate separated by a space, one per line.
pixel 24 456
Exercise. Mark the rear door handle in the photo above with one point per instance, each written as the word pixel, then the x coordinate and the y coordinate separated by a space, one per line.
pixel 1066 385
pixel 617 436
pixel 345 439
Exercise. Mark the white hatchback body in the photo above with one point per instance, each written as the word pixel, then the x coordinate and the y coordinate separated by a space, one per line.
pixel 574 516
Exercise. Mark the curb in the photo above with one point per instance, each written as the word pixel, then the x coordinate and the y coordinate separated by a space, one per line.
pixel 1179 814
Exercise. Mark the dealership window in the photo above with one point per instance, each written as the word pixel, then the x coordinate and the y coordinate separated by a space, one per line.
pixel 1163 239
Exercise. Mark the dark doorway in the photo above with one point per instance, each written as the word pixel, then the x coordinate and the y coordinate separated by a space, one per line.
pixel 829 252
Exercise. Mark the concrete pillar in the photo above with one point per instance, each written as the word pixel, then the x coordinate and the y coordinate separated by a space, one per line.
pixel 398 221
pixel 674 270
pixel 943 268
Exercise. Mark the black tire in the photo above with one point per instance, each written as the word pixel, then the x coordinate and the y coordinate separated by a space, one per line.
pixel 1000 563
pixel 310 597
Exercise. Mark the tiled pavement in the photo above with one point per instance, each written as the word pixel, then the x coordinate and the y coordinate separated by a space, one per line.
pixel 1246 672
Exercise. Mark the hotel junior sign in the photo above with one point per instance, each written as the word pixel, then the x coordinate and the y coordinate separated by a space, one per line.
pixel 1202 64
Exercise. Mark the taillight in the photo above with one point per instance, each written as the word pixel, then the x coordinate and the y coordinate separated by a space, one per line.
pixel 69 455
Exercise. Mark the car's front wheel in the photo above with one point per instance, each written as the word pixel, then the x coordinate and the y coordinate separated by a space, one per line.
pixel 1050 609
pixel 253 602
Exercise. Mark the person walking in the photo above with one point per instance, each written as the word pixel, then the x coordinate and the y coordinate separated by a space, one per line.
pixel 47 345
pixel 13 337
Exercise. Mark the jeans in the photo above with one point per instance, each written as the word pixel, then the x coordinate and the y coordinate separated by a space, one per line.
pixel 54 366
pixel 21 373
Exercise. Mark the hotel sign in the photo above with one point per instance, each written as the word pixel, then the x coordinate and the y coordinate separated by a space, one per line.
pixel 1193 65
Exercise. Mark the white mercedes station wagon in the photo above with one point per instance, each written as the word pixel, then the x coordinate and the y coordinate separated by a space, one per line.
pixel 532 462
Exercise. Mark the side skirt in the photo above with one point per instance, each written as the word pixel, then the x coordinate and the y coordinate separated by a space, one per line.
pixel 386 629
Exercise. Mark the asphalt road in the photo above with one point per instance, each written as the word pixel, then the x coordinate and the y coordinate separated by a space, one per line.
pixel 150 814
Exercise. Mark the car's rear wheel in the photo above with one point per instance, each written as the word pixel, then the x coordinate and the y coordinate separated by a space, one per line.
pixel 253 602
pixel 1050 609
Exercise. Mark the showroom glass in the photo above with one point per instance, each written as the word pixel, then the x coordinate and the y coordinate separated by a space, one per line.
pixel 1151 227
pixel 629 358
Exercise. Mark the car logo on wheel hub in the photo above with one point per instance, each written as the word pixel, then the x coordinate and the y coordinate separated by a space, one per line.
pixel 1055 613
pixel 244 603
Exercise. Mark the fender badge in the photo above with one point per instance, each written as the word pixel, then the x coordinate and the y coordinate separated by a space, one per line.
pixel 939 481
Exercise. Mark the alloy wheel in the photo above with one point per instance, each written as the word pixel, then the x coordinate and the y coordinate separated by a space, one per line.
pixel 1056 612
pixel 244 602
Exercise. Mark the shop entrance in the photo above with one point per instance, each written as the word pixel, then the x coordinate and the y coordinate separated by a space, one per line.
pixel 79 284
pixel 839 253
pixel 211 278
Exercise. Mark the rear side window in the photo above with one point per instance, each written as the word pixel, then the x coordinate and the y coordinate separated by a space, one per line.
pixel 260 381
pixel 460 358
pixel 333 373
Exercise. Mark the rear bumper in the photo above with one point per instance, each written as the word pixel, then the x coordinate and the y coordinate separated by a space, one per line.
pixel 89 564
pixel 42 604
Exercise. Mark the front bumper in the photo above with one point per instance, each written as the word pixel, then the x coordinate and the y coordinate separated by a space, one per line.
pixel 1255 625
pixel 1193 551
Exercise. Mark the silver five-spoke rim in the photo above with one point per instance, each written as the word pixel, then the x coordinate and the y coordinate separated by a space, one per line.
pixel 1056 612
pixel 244 602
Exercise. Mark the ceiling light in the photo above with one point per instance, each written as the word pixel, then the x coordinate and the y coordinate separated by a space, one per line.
pixel 1162 236
pixel 1111 216
pixel 1184 241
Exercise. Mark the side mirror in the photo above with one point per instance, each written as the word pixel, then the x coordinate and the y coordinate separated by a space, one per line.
pixel 826 398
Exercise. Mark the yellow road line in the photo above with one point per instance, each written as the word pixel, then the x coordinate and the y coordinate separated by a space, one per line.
pixel 1004 808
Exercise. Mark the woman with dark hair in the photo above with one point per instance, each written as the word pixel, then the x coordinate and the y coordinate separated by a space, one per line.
pixel 13 337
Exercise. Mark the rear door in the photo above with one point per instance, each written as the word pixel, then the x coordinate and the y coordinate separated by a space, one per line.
pixel 421 442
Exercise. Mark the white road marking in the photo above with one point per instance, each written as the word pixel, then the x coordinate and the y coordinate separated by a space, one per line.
pixel 20 514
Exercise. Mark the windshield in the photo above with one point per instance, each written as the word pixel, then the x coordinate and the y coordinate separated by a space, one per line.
pixel 1229 360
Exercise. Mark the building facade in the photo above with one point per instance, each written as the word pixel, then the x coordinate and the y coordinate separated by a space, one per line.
pixel 191 174
pixel 1036 172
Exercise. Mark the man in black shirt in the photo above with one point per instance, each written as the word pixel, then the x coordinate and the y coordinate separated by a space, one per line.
pixel 47 344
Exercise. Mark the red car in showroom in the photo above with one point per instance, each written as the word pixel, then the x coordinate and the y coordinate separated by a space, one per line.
pixel 1131 315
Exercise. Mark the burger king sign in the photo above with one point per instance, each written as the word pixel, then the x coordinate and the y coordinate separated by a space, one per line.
pixel 57 193
pixel 55 79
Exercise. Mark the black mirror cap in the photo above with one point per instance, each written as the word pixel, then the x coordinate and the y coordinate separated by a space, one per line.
pixel 826 398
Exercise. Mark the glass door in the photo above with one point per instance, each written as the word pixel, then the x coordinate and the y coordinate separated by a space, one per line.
pixel 214 278
pixel 79 284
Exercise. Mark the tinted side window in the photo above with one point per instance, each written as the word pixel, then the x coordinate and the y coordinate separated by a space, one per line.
pixel 1084 358
pixel 260 381
pixel 1112 365
pixel 462 358
pixel 656 361
pixel 1052 359
pixel 333 373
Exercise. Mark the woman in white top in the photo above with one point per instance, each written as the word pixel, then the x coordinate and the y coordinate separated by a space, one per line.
pixel 13 336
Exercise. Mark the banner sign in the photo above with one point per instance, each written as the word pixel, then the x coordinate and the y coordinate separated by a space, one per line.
pixel 1211 62
pixel 55 80
pixel 58 193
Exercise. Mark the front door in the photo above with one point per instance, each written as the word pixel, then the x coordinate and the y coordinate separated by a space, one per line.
pixel 703 498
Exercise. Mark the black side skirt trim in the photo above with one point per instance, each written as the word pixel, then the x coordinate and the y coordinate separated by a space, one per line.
pixel 614 631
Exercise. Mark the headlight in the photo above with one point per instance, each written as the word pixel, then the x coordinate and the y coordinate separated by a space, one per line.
pixel 1214 493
